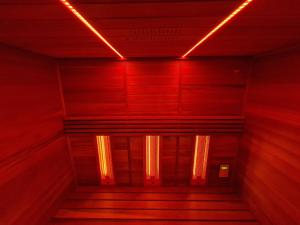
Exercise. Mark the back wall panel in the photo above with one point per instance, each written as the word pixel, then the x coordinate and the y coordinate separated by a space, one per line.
pixel 206 87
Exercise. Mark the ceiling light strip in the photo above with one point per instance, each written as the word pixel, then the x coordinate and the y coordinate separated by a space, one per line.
pixel 87 24
pixel 215 29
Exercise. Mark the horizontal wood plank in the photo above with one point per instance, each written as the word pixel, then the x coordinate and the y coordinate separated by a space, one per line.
pixel 149 205
pixel 114 125
pixel 145 222
pixel 108 214
pixel 95 189
pixel 165 205
pixel 154 196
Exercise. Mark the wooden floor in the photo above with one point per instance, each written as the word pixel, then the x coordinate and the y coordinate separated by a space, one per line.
pixel 153 206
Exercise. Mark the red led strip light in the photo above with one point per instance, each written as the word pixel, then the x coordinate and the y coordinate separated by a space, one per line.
pixel 215 29
pixel 88 25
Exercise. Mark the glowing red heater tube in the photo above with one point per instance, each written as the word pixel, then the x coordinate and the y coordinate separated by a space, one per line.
pixel 152 160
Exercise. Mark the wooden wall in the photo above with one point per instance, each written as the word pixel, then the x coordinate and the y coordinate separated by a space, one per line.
pixel 269 163
pixel 176 99
pixel 176 159
pixel 35 166
pixel 210 87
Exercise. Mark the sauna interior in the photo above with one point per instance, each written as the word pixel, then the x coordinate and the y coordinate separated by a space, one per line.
pixel 149 112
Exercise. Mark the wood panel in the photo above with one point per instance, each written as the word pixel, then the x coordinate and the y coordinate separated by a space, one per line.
pixel 206 87
pixel 223 150
pixel 186 146
pixel 131 99
pixel 268 26
pixel 94 89
pixel 139 29
pixel 120 155
pixel 136 145
pixel 100 222
pixel 153 196
pixel 35 167
pixel 269 160
pixel 152 87
pixel 155 125
pixel 176 159
pixel 156 189
pixel 84 153
pixel 163 205
pixel 149 28
pixel 169 160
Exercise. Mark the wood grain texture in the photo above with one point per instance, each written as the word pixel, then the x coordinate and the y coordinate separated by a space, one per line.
pixel 103 222
pixel 174 125
pixel 270 159
pixel 148 28
pixel 207 87
pixel 176 159
pixel 35 164
pixel 128 100
pixel 160 206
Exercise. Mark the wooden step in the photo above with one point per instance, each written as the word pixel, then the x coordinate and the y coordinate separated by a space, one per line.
pixel 154 196
pixel 183 205
pixel 125 214
pixel 153 206
pixel 114 189
pixel 145 222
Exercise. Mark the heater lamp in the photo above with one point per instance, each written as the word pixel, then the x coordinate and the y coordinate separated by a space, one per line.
pixel 105 161
pixel 200 160
pixel 152 160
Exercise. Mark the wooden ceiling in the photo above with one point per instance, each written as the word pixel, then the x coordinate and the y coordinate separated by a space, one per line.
pixel 149 28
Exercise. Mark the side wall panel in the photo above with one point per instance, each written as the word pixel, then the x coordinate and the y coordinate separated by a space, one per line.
pixel 270 156
pixel 35 166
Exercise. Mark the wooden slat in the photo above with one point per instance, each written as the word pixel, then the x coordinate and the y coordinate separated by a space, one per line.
pixel 103 222
pixel 35 165
pixel 162 205
pixel 154 196
pixel 182 189
pixel 163 91
pixel 175 167
pixel 168 160
pixel 106 214
pixel 147 28
pixel 269 160
pixel 120 159
pixel 157 125
pixel 185 155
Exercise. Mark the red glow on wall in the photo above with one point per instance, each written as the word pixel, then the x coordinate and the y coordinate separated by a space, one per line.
pixel 88 25
pixel 105 161
pixel 152 160
pixel 200 159
pixel 216 28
